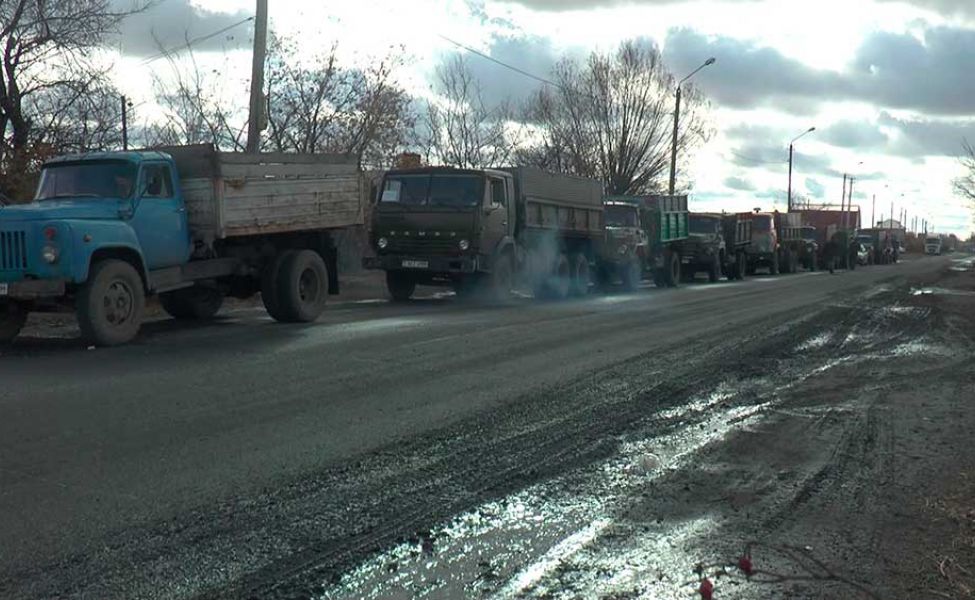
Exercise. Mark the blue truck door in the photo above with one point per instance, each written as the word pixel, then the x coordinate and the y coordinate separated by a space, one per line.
pixel 160 219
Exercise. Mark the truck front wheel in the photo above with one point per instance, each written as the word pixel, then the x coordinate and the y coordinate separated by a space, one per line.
pixel 714 275
pixel 111 304
pixel 12 318
pixel 199 303
pixel 400 285
pixel 630 274
pixel 302 286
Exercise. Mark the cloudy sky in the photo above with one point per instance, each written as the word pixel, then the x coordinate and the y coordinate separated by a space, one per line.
pixel 887 83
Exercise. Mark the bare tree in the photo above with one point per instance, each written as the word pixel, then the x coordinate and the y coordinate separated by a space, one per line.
pixel 196 109
pixel 965 184
pixel 88 119
pixel 320 106
pixel 46 50
pixel 610 118
pixel 462 130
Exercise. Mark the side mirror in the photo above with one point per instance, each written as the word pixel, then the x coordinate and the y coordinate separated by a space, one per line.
pixel 126 208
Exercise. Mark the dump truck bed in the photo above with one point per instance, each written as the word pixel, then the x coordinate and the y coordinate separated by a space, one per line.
pixel 560 203
pixel 231 194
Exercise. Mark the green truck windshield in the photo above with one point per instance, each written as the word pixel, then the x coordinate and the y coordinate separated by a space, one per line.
pixel 88 179
pixel 434 190
pixel 703 225
pixel 621 216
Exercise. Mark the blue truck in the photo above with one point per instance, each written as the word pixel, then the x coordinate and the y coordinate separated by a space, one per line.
pixel 190 224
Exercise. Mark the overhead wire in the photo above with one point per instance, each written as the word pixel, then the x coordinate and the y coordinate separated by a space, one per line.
pixel 189 44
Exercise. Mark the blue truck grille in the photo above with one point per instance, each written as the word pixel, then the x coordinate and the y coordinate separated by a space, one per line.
pixel 13 250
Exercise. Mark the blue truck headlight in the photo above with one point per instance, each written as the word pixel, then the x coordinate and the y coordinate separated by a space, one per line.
pixel 50 254
pixel 382 243
pixel 464 245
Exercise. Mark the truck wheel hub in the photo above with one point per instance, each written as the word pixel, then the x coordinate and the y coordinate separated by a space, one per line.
pixel 118 303
pixel 308 286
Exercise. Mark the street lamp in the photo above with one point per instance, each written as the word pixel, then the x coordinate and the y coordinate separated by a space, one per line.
pixel 789 201
pixel 673 148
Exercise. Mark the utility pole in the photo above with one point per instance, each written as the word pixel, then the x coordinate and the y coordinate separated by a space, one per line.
pixel 788 202
pixel 849 205
pixel 873 212
pixel 673 144
pixel 125 124
pixel 255 122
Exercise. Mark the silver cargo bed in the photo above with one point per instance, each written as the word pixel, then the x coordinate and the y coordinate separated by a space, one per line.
pixel 231 194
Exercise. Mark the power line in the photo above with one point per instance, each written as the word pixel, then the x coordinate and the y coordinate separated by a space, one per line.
pixel 190 43
pixel 503 64
pixel 757 160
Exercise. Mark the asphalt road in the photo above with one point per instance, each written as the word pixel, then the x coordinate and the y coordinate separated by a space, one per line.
pixel 97 442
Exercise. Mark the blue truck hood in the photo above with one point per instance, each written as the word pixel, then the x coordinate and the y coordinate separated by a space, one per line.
pixel 48 210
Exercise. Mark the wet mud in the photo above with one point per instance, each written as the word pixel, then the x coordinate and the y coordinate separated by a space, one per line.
pixel 830 448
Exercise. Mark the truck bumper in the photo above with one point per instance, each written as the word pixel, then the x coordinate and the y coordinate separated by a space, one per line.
pixel 32 289
pixel 427 264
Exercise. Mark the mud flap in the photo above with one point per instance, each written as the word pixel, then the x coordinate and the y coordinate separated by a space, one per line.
pixel 331 256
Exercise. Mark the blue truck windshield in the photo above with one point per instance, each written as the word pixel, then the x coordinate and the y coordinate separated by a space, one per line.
pixel 434 190
pixel 88 179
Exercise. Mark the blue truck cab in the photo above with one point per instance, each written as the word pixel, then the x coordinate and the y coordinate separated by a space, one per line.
pixel 115 212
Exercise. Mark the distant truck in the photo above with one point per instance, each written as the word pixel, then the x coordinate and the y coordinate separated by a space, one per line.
pixel 763 251
pixel 664 220
pixel 191 224
pixel 933 245
pixel 795 250
pixel 623 255
pixel 836 225
pixel 486 229
pixel 716 246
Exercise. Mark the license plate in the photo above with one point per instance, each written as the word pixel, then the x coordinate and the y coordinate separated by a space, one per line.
pixel 415 264
pixel 4 289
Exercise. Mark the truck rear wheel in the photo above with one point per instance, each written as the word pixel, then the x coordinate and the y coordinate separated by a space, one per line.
pixel 196 302
pixel 672 270
pixel 400 285
pixel 560 280
pixel 302 286
pixel 269 285
pixel 580 275
pixel 13 315
pixel 111 303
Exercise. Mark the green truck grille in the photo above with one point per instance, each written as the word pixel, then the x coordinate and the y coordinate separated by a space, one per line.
pixel 422 246
pixel 13 250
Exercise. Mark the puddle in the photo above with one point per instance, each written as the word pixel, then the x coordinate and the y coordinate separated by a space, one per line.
pixel 506 548
pixel 937 291
pixel 816 342
pixel 920 347
pixel 963 264
pixel 570 536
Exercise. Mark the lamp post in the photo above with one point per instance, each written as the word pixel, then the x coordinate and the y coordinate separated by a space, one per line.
pixel 791 145
pixel 673 146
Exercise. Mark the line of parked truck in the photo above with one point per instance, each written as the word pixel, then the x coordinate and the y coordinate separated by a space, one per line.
pixel 194 225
